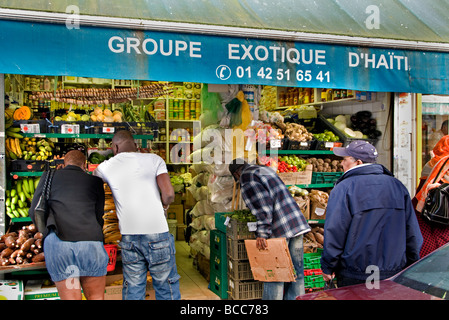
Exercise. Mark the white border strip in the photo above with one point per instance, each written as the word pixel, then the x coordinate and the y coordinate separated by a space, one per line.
pixel 179 27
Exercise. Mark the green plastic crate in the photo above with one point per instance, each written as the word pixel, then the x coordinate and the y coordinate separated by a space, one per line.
pixel 219 284
pixel 325 177
pixel 220 220
pixel 312 260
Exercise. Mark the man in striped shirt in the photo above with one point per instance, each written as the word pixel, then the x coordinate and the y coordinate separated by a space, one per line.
pixel 278 216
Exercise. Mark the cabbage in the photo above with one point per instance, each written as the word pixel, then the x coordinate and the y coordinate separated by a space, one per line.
pixel 349 133
pixel 340 125
pixel 358 134
pixel 340 118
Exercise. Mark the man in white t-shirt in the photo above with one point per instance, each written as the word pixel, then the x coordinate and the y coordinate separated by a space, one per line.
pixel 142 192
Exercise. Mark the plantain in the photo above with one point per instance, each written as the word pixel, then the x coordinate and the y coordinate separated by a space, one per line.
pixel 24 184
pixel 31 185
pixel 19 151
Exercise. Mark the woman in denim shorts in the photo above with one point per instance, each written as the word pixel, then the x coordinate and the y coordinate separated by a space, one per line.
pixel 73 242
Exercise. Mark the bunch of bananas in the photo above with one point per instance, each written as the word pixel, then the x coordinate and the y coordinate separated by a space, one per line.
pixel 18 199
pixel 29 148
pixel 13 132
pixel 34 149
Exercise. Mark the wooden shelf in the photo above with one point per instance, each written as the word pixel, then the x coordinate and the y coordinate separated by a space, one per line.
pixel 317 103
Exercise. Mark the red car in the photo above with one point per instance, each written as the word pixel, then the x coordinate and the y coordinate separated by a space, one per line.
pixel 426 279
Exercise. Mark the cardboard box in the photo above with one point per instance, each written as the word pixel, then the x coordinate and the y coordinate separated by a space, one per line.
pixel 288 178
pixel 176 211
pixel 273 264
pixel 304 205
pixel 304 177
pixel 41 290
pixel 190 200
pixel 11 290
pixel 180 232
pixel 178 199
pixel 301 177
pixel 317 211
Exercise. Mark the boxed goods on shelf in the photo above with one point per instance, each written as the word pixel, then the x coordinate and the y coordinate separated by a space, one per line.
pixel 70 127
pixel 32 126
pixel 11 289
pixel 28 165
pixel 300 177
pixel 289 144
pixel 318 204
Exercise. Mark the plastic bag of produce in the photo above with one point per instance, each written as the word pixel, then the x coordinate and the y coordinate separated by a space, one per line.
pixel 204 237
pixel 221 170
pixel 201 208
pixel 220 185
pixel 212 108
pixel 209 222
pixel 202 167
pixel 197 224
pixel 206 251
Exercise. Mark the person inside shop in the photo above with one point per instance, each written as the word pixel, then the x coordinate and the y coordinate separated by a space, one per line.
pixel 371 231
pixel 278 216
pixel 434 236
pixel 437 135
pixel 75 256
pixel 142 192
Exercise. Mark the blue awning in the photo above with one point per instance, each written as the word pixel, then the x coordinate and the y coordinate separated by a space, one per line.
pixel 149 53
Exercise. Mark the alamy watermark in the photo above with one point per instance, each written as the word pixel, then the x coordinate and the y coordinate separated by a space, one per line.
pixel 73 19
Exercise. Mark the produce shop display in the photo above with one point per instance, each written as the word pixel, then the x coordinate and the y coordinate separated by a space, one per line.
pixel 360 125
pixel 18 198
pixel 325 164
pixel 297 132
pixel 327 136
pixel 313 240
pixel 363 122
pixel 22 113
pixel 96 96
pixel 21 247
pixel 284 164
pixel 244 215
pixel 29 148
pixel 111 231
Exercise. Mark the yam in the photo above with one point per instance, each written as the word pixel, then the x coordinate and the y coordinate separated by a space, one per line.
pixel 319 238
pixel 4 262
pixel 6 253
pixel 38 235
pixel 27 245
pixel 10 242
pixel 38 257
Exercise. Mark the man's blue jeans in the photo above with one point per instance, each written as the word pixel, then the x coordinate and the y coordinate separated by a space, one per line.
pixel 154 253
pixel 288 290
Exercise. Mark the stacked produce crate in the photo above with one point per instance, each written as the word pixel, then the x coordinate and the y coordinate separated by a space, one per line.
pixel 218 263
pixel 313 276
pixel 241 284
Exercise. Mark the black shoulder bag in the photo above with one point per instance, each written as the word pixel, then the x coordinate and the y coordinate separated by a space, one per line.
pixel 41 209
pixel 436 205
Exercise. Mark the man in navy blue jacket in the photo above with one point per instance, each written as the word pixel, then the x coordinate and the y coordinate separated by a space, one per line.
pixel 370 222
